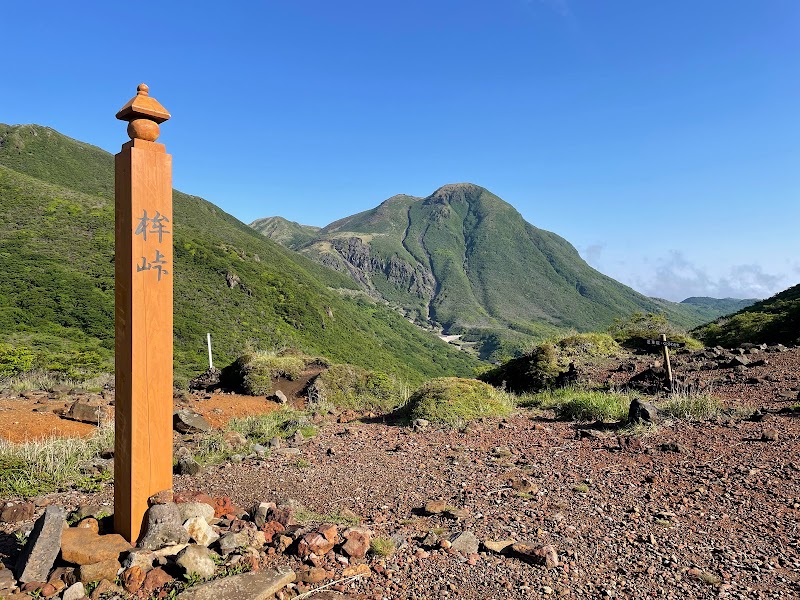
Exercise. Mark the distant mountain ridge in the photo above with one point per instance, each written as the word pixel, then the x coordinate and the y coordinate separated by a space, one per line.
pixel 775 320
pixel 57 277
pixel 465 260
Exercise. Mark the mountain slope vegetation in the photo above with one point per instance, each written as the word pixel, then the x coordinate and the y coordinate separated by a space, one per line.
pixel 57 287
pixel 287 233
pixel 775 320
pixel 465 261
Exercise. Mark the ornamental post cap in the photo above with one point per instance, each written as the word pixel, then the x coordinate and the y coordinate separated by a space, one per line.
pixel 143 106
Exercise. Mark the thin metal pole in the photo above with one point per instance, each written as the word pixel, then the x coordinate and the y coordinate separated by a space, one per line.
pixel 210 358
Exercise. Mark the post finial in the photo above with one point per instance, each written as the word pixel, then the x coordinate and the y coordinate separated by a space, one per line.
pixel 143 113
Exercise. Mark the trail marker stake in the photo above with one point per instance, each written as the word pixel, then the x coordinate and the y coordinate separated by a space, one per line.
pixel 667 365
pixel 210 358
pixel 143 315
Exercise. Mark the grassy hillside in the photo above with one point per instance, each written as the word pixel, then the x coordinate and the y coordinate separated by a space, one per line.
pixel 771 321
pixel 285 232
pixel 709 309
pixel 465 260
pixel 57 289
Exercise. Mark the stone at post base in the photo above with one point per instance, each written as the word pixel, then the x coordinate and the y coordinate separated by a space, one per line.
pixel 44 544
pixel 260 585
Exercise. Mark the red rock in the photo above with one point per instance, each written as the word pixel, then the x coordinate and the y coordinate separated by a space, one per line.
pixel 182 497
pixel 48 590
pixel 357 544
pixel 314 542
pixel 311 574
pixel 270 529
pixel 223 506
pixel 162 497
pixel 89 523
pixel 132 579
pixel 541 555
pixel 155 579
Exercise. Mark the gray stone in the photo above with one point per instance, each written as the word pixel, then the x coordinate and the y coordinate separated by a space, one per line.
pixel 188 466
pixel 464 542
pixel 279 397
pixel 7 580
pixel 44 544
pixel 260 511
pixel 232 541
pixel 143 559
pixel 83 411
pixel 643 412
pixel 196 559
pixel 74 592
pixel 190 510
pixel 163 527
pixel 261 585
pixel 186 421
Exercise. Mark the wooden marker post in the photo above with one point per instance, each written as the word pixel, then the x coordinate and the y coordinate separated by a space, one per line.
pixel 667 365
pixel 143 315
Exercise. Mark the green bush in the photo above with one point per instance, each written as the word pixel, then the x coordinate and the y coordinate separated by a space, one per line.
pixel 455 401
pixel 14 360
pixel 534 371
pixel 351 387
pixel 632 331
pixel 588 344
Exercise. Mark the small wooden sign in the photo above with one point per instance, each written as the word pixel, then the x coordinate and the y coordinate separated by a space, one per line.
pixel 665 343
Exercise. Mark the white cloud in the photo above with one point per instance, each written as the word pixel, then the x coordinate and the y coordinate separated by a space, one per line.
pixel 676 278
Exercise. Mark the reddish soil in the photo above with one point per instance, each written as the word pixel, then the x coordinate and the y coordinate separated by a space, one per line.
pixel 688 510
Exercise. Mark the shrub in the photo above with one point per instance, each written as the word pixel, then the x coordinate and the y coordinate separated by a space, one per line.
pixel 351 387
pixel 14 360
pixel 262 428
pixel 588 344
pixel 534 371
pixel 382 546
pixel 630 332
pixel 454 401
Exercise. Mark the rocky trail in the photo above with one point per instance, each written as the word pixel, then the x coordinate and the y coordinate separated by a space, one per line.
pixel 524 507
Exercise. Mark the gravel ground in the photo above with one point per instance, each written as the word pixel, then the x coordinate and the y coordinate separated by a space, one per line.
pixel 690 510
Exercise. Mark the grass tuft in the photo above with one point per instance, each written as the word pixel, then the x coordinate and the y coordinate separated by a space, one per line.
pixel 454 401
pixel 581 404
pixel 692 407
pixel 382 546
pixel 43 466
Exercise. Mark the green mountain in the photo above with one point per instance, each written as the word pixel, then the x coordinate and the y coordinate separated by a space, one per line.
pixel 57 277
pixel 287 233
pixel 775 320
pixel 464 260
pixel 708 309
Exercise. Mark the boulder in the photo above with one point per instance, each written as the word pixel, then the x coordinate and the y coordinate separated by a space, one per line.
pixel 106 569
pixel 86 412
pixel 190 510
pixel 643 412
pixel 261 585
pixel 358 541
pixel 163 527
pixel 200 531
pixel 83 546
pixel 196 559
pixel 132 579
pixel 205 381
pixel 143 559
pixel 187 421
pixel 464 542
pixel 74 592
pixel 279 397
pixel 43 546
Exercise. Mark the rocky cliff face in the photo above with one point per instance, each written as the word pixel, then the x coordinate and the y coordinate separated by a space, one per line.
pixel 354 256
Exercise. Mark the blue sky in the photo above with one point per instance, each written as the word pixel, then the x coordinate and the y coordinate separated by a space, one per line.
pixel 661 138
